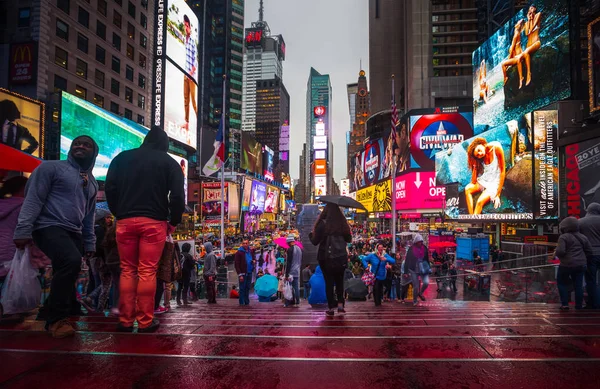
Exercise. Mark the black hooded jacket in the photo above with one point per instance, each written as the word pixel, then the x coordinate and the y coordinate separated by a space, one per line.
pixel 146 182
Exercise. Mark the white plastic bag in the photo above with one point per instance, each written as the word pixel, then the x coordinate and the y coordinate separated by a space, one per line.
pixel 288 294
pixel 22 289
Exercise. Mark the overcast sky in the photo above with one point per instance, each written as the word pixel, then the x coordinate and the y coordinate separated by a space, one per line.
pixel 330 35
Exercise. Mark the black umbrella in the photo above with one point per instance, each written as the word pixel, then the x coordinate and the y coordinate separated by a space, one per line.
pixel 356 289
pixel 342 201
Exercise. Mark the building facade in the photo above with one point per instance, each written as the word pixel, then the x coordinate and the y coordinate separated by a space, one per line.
pixel 362 111
pixel 352 91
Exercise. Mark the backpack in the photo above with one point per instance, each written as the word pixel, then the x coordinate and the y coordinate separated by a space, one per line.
pixel 336 246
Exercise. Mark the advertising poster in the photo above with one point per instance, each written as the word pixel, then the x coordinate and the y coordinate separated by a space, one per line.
pixel 320 185
pixel 545 128
pixel 181 117
pixel 372 161
pixel 268 163
pixel 345 187
pixel 402 149
pixel 233 191
pixel 580 164
pixel 524 66
pixel 284 140
pixel 247 194
pixel 418 190
pixel 182 37
pixel 22 63
pixel 357 178
pixel 376 198
pixel 594 64
pixel 112 133
pixel 290 204
pixel 452 201
pixel 271 200
pixel 183 163
pixel 436 132
pixel 494 171
pixel 320 167
pixel 251 154
pixel 211 201
pixel 22 118
pixel 257 199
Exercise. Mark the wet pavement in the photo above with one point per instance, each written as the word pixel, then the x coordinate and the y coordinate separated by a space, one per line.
pixel 439 344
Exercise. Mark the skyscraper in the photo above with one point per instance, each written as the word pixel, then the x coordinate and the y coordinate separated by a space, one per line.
pixel 318 104
pixel 361 110
pixel 352 90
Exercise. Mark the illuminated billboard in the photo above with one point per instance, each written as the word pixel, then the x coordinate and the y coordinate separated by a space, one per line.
pixel 545 141
pixel 112 133
pixel 580 164
pixel 211 201
pixel 345 187
pixel 176 70
pixel 268 163
pixel 320 154
pixel 183 164
pixel 494 172
pixel 320 128
pixel 320 185
pixel 593 35
pixel 258 196
pixel 376 198
pixel 418 190
pixel 320 142
pixel 272 200
pixel 252 159
pixel 524 66
pixel 320 167
pixel 24 120
pixel 247 194
pixel 319 111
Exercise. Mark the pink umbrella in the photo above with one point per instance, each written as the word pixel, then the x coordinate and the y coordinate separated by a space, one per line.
pixel 281 242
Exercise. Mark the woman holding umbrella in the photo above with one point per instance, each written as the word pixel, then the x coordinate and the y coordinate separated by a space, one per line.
pixel 331 233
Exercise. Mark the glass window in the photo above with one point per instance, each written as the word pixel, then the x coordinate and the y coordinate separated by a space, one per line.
pixel 131 9
pixel 114 107
pixel 84 17
pixel 100 54
pixel 141 101
pixel 142 61
pixel 116 64
pixel 82 42
pixel 144 4
pixel 141 81
pixel 130 31
pixel 101 29
pixel 62 30
pixel 129 73
pixel 120 2
pixel 130 52
pixel 24 17
pixel 102 7
pixel 64 5
pixel 117 19
pixel 81 68
pixel 60 83
pixel 116 41
pixel 115 87
pixel 128 114
pixel 99 78
pixel 99 100
pixel 143 40
pixel 80 91
pixel 140 119
pixel 61 57
pixel 128 95
pixel 143 20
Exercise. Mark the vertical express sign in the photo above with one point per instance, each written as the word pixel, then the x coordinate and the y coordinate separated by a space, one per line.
pixel 160 30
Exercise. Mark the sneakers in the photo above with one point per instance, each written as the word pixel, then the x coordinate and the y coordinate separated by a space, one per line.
pixel 422 297
pixel 160 310
pixel 330 313
pixel 151 328
pixel 61 329
pixel 122 328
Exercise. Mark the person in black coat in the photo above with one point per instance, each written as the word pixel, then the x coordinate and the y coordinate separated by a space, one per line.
pixel 332 223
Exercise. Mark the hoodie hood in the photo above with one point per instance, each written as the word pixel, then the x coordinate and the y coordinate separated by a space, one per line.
pixel 570 224
pixel 318 270
pixel 418 238
pixel 101 214
pixel 243 249
pixel 208 247
pixel 87 165
pixel 157 139
pixel 10 205
pixel 593 209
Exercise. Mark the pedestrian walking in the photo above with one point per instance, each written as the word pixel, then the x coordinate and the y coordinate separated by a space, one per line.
pixel 573 251
pixel 144 190
pixel 331 233
pixel 58 215
pixel 210 273
pixel 244 266
pixel 418 266
pixel 306 274
pixel 188 265
pixel 292 269
pixel 379 261
pixel 590 227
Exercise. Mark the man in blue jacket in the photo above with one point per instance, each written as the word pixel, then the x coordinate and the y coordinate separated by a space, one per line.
pixel 379 261
pixel 244 266
pixel 58 215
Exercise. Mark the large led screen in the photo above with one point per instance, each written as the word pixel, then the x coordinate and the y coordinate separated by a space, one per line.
pixel 271 200
pixel 113 134
pixel 183 164
pixel 268 163
pixel 182 37
pixel 211 201
pixel 545 145
pixel 181 111
pixel 494 171
pixel 257 199
pixel 580 181
pixel 252 159
pixel 524 66
pixel 247 194
pixel 22 118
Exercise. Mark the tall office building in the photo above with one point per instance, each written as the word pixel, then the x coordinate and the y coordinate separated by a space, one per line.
pixel 352 91
pixel 361 110
pixel 263 59
pixel 99 51
pixel 318 94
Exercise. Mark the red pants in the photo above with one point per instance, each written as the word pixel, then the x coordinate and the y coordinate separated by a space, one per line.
pixel 140 241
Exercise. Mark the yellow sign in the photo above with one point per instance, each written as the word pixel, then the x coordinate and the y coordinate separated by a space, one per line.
pixel 376 198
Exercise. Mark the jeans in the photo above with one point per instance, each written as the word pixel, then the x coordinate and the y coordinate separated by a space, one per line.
pixel 378 291
pixel 296 290
pixel 591 282
pixel 211 293
pixel 419 290
pixel 65 249
pixel 333 273
pixel 140 241
pixel 306 290
pixel 566 274
pixel 245 289
pixel 184 286
pixel 394 290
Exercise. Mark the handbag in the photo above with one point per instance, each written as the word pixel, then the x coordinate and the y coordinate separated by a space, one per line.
pixel 165 264
pixel 424 268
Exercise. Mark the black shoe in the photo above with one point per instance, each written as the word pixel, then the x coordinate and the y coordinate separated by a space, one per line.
pixel 151 328
pixel 122 328
pixel 179 303
pixel 187 302
pixel 422 297
pixel 330 313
